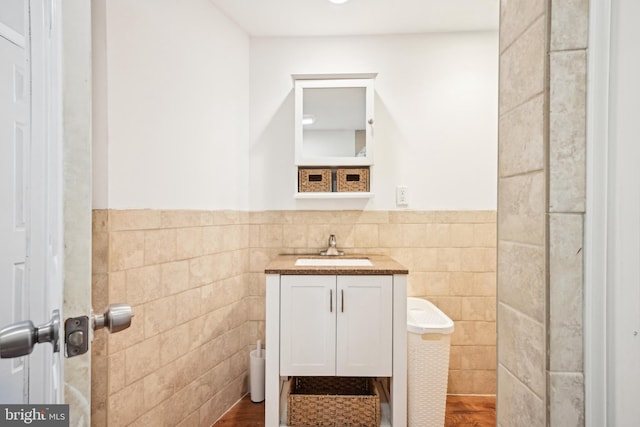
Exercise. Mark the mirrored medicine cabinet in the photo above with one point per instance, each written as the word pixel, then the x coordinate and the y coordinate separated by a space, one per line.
pixel 334 121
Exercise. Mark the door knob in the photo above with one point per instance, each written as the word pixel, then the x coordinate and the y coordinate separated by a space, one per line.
pixel 115 319
pixel 20 338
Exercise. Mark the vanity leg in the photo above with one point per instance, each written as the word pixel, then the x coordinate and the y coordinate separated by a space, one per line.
pixel 399 380
pixel 272 362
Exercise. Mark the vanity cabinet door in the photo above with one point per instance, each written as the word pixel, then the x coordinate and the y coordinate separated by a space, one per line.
pixel 364 332
pixel 307 325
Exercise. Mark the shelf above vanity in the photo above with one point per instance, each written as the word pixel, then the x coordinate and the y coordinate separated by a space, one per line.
pixel 334 117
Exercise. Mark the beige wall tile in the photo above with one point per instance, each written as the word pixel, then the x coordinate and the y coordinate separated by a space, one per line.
pixel 420 259
pixel 116 364
pixel 521 348
pixel 99 252
pixel 213 240
pixel 521 201
pixel 294 236
pixel 366 236
pixel 271 235
pixel 566 292
pixel 390 235
pixel 143 284
pixel 142 359
pixel 437 236
pixel 451 306
pixel 569 24
pixel 174 277
pixel 159 315
pixel 474 333
pixel 126 250
pixel 99 290
pixel 481 357
pixel 448 259
pixel 478 259
pixel 159 386
pixel 567 131
pixel 189 305
pixel 436 283
pixel 472 382
pixel 522 146
pixel 521 278
pixel 191 420
pixel 318 236
pixel 142 219
pixel 479 308
pixel 236 237
pixel 159 246
pixel 117 285
pixel 517 404
pixel 178 219
pixel 100 221
pixel 173 344
pixel 522 67
pixel 484 284
pixel 372 217
pixel 414 235
pixel 462 235
pixel 485 235
pixel 126 405
pixel 201 270
pixel 566 399
pixel 461 283
pixel 515 17
pixel 189 243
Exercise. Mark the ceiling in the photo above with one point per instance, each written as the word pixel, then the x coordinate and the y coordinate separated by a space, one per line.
pixel 299 18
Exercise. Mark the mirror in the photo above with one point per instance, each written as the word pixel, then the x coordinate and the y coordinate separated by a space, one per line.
pixel 334 122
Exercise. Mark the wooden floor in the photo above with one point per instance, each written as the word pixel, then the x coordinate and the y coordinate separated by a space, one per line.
pixel 462 411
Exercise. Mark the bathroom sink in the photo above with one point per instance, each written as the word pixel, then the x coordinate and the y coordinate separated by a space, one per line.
pixel 333 262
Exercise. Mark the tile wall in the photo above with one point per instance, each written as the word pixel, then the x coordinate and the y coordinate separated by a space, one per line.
pixel 451 257
pixel 196 283
pixel 184 359
pixel 541 206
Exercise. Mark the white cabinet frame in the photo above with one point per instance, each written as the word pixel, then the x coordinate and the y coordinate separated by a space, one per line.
pixel 274 381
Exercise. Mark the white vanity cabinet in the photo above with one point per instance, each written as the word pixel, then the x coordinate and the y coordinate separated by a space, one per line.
pixel 336 325
pixel 336 321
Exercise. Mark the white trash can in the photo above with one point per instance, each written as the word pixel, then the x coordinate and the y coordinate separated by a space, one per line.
pixel 428 342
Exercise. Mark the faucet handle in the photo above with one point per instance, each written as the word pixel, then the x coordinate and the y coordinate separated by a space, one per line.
pixel 332 241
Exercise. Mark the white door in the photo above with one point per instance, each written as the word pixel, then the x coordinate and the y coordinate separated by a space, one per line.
pixel 308 325
pixel 14 137
pixel 364 336
pixel 30 282
pixel 623 309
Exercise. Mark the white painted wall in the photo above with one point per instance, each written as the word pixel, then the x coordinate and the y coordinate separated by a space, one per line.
pixel 436 117
pixel 174 77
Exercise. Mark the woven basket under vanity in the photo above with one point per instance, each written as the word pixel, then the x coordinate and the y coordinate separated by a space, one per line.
pixel 333 401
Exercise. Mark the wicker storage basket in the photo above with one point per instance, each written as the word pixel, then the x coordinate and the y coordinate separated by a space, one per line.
pixel 314 180
pixel 333 401
pixel 352 179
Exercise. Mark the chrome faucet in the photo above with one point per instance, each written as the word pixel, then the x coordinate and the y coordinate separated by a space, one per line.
pixel 332 250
